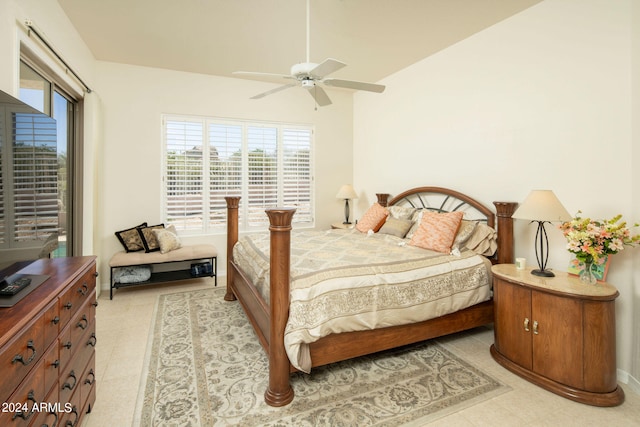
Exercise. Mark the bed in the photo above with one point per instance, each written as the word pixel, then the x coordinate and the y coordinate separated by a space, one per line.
pixel 272 288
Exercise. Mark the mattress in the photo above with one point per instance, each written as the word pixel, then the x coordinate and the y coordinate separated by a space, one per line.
pixel 344 280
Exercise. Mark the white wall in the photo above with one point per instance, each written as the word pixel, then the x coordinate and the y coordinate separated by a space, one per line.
pixel 539 101
pixel 133 100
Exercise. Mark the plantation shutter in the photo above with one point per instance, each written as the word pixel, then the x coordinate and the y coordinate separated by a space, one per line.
pixel 225 170
pixel 184 186
pixel 267 164
pixel 35 177
pixel 262 173
pixel 296 176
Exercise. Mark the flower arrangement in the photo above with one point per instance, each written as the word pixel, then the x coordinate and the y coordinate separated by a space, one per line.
pixel 592 240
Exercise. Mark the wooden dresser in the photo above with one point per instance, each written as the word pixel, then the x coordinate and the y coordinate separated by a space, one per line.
pixel 558 333
pixel 47 356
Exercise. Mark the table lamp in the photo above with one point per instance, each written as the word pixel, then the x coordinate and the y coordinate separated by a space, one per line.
pixel 542 206
pixel 346 192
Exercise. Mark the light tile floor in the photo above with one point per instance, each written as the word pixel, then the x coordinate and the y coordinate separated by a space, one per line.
pixel 123 326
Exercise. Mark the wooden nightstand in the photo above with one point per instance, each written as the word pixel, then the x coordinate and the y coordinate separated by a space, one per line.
pixel 342 226
pixel 558 333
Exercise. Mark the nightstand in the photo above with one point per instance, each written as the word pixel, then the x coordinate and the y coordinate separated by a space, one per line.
pixel 342 226
pixel 557 333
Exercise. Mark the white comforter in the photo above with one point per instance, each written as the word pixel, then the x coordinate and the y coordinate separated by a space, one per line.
pixel 343 280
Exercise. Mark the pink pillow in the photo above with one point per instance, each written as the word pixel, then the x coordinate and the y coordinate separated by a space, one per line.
pixel 437 231
pixel 372 219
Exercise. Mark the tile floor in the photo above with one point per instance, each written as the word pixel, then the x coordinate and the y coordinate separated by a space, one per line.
pixel 123 330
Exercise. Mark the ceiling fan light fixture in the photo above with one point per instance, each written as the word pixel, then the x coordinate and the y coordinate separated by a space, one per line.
pixel 312 76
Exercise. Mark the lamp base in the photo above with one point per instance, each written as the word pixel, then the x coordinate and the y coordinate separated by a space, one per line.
pixel 347 222
pixel 543 273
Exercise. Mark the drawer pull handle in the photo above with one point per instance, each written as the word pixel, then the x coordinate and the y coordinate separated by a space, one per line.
pixel 56 320
pixel 91 380
pixel 67 345
pixel 81 325
pixel 526 324
pixel 92 340
pixel 95 303
pixel 535 327
pixel 83 290
pixel 19 358
pixel 55 419
pixel 26 415
pixel 68 385
pixel 68 305
pixel 56 363
pixel 70 423
pixel 96 274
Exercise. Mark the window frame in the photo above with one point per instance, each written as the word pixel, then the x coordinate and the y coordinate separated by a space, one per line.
pixel 285 133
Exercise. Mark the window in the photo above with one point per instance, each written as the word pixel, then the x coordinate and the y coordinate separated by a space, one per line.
pixel 206 159
pixel 41 90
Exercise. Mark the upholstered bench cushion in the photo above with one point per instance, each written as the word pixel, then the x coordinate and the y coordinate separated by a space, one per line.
pixel 185 253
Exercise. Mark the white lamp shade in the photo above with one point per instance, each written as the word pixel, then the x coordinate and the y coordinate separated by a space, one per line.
pixel 542 205
pixel 346 192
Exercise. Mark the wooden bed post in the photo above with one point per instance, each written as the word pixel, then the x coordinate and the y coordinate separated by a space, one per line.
pixel 279 391
pixel 504 210
pixel 383 199
pixel 232 239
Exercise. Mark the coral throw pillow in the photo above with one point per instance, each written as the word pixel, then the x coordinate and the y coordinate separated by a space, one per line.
pixel 437 231
pixel 372 219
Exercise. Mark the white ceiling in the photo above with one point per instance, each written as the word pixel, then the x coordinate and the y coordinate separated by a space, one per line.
pixel 375 38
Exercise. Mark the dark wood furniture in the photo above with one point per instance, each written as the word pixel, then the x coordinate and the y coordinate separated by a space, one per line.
pixel 47 356
pixel 557 333
pixel 269 321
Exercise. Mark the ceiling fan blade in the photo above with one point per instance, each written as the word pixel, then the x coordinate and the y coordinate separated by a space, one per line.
pixel 350 84
pixel 327 67
pixel 264 77
pixel 269 92
pixel 321 97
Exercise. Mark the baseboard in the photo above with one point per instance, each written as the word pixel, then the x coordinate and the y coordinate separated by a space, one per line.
pixel 625 378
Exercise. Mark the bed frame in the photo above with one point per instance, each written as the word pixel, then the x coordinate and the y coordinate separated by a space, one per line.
pixel 269 321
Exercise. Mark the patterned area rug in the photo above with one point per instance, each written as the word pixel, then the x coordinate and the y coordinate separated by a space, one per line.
pixel 206 368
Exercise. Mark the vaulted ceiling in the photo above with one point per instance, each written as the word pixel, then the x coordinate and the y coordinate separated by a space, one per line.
pixel 375 38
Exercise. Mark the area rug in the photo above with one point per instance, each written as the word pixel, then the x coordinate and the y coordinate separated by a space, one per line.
pixel 205 367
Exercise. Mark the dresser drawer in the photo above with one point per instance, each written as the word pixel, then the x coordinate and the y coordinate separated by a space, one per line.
pixel 75 295
pixel 19 410
pixel 51 321
pixel 51 368
pixel 19 356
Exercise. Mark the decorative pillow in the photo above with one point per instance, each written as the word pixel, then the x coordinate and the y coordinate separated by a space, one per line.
pixel 401 212
pixel 437 231
pixel 149 241
pixel 466 230
pixel 416 218
pixel 167 238
pixel 130 238
pixel 483 240
pixel 372 219
pixel 396 227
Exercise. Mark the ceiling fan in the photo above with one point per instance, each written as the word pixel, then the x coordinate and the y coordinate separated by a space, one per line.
pixel 310 76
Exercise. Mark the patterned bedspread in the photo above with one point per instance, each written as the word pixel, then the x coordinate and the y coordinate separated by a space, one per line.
pixel 344 280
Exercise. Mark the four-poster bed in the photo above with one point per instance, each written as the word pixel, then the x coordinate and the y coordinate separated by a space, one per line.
pixel 269 315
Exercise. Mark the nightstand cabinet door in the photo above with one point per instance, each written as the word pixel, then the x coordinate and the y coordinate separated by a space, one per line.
pixel 512 306
pixel 557 338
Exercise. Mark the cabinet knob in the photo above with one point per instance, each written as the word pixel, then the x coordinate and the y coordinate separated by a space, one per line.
pixel 526 324
pixel 535 327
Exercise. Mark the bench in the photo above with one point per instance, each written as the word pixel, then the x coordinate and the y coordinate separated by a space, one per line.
pixel 189 253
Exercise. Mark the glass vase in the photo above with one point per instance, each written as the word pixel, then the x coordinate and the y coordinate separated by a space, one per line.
pixel 587 276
